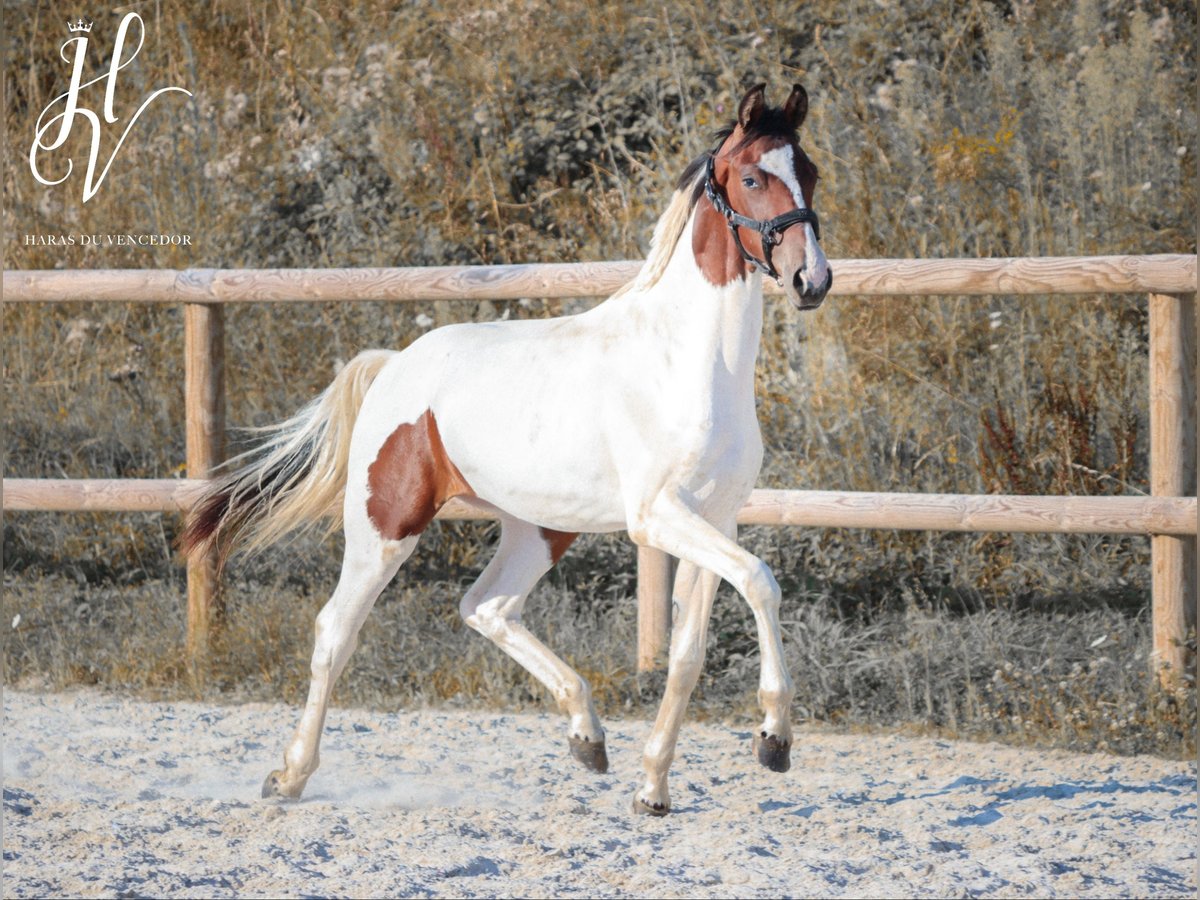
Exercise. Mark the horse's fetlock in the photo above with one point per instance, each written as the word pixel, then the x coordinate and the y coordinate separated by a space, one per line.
pixel 572 692
pixel 776 698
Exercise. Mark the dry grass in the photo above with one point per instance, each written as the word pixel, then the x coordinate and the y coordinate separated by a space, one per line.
pixel 353 135
pixel 1079 679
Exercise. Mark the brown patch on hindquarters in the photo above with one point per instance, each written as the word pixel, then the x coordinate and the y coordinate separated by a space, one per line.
pixel 558 542
pixel 411 478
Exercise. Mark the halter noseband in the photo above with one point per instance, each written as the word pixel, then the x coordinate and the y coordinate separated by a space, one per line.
pixel 771 230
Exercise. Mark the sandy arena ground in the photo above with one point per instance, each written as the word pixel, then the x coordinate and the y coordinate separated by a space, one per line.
pixel 111 797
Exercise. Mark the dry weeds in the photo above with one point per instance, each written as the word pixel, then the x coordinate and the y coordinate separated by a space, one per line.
pixel 352 135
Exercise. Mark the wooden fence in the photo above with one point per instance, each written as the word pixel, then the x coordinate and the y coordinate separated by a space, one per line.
pixel 1168 515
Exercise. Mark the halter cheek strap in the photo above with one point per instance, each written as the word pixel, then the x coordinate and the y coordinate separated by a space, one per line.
pixel 770 230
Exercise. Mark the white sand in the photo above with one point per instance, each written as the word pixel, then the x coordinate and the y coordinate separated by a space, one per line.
pixel 111 797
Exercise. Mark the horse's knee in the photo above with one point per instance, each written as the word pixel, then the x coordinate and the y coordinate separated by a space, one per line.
pixel 762 590
pixel 645 525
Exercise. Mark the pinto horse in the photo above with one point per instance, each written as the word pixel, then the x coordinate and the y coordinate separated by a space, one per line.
pixel 637 414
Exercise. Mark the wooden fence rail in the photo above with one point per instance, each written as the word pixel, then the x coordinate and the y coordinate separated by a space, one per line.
pixel 1169 515
pixel 1023 513
pixel 1162 273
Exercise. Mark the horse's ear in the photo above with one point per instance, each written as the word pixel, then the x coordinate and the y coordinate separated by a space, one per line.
pixel 796 107
pixel 751 106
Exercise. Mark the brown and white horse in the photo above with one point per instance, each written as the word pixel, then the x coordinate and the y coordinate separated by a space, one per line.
pixel 637 414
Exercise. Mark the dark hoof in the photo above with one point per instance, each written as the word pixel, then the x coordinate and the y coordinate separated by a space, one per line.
pixel 591 753
pixel 642 808
pixel 773 753
pixel 273 787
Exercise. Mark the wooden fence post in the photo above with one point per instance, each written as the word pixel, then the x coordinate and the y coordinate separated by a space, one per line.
pixel 1172 474
pixel 654 607
pixel 204 402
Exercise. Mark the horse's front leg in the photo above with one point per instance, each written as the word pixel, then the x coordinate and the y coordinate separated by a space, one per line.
pixel 670 525
pixel 693 596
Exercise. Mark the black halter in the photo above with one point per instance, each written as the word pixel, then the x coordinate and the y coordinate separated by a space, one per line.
pixel 771 230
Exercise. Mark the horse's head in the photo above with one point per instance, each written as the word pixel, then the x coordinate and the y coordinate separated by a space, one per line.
pixel 762 183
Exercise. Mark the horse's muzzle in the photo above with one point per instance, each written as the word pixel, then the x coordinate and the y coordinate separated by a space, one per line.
pixel 809 296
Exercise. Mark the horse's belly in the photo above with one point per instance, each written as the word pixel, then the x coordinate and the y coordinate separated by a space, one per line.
pixel 550 486
pixel 544 459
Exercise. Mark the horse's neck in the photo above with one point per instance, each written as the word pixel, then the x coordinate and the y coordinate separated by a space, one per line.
pixel 724 322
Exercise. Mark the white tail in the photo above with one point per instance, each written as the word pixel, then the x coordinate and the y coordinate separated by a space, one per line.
pixel 292 480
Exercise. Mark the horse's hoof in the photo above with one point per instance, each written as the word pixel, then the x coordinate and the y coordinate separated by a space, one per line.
pixel 642 808
pixel 591 753
pixel 273 787
pixel 773 753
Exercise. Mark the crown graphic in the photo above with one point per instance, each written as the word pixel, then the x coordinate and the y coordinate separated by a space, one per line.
pixel 79 25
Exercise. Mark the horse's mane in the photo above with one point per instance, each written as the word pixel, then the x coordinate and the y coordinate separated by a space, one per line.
pixel 670 226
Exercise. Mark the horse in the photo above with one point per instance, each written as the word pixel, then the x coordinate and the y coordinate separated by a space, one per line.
pixel 637 414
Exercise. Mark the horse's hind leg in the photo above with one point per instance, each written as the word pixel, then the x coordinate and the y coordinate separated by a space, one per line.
pixel 493 607
pixel 368 565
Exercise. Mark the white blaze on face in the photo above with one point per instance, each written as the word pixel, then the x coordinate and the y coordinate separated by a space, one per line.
pixel 781 163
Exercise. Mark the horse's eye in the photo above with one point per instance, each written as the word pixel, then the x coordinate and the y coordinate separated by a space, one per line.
pixel 749 182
